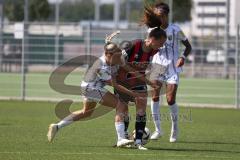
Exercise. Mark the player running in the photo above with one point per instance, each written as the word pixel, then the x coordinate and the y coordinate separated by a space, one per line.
pixel 102 73
pixel 138 56
pixel 169 57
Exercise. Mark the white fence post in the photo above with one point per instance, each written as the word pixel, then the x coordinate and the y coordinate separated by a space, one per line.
pixel 56 60
pixel 237 76
pixel 24 50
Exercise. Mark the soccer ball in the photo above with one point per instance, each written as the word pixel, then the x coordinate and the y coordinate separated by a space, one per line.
pixel 146 136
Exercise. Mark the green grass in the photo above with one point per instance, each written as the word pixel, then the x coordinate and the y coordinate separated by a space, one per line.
pixel 203 91
pixel 208 91
pixel 205 134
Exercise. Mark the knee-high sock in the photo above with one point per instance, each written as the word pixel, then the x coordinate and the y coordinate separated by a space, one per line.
pixel 139 127
pixel 120 130
pixel 65 122
pixel 155 108
pixel 126 122
pixel 174 116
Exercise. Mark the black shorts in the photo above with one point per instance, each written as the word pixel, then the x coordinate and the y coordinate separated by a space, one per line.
pixel 126 98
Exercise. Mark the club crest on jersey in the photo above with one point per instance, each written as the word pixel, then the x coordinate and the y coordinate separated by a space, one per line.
pixel 170 37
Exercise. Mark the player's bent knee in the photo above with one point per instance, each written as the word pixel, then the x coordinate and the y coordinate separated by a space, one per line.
pixel 170 103
pixel 155 99
pixel 171 100
pixel 119 118
pixel 87 113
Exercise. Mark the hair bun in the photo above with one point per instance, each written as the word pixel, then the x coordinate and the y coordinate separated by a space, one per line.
pixel 111 47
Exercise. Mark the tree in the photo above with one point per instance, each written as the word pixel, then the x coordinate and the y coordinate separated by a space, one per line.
pixel 182 10
pixel 106 11
pixel 38 10
pixel 136 11
pixel 14 11
pixel 77 11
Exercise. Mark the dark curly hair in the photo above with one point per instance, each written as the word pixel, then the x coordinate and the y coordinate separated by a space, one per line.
pixel 150 19
pixel 164 7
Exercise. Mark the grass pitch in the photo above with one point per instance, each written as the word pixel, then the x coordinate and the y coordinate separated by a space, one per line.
pixel 205 134
pixel 191 91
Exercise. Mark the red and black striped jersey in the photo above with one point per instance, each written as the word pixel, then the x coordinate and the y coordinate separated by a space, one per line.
pixel 137 59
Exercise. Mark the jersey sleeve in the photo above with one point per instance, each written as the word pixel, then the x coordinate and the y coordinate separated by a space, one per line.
pixel 150 29
pixel 154 59
pixel 92 72
pixel 181 35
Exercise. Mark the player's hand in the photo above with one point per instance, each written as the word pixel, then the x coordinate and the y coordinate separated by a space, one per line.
pixel 180 62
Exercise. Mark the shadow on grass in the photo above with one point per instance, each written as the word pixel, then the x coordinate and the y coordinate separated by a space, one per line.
pixel 193 142
pixel 198 150
pixel 192 150
pixel 5 124
pixel 169 149
pixel 180 149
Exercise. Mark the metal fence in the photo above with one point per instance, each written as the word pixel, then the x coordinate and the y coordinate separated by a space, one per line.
pixel 26 77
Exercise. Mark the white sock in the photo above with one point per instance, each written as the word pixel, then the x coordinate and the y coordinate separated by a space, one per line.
pixel 174 116
pixel 120 130
pixel 65 122
pixel 138 141
pixel 155 108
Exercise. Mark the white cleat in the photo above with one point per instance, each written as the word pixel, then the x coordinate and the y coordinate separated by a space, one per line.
pixel 156 135
pixel 128 146
pixel 124 142
pixel 140 147
pixel 52 130
pixel 173 137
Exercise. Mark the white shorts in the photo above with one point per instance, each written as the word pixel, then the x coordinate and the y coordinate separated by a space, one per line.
pixel 169 79
pixel 91 94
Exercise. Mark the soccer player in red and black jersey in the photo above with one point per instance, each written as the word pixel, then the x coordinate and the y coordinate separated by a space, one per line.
pixel 138 56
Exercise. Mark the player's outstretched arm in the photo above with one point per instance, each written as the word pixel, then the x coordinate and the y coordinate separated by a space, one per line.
pixel 187 51
pixel 141 77
pixel 123 89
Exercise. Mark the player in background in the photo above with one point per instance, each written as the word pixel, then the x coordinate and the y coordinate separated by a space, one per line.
pixel 138 56
pixel 102 73
pixel 170 57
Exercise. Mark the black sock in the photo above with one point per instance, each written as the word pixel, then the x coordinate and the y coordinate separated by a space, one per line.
pixel 126 123
pixel 140 125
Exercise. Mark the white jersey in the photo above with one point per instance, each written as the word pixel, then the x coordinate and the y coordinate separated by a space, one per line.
pixel 169 54
pixel 98 74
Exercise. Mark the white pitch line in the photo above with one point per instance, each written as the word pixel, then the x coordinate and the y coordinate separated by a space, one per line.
pixel 205 96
